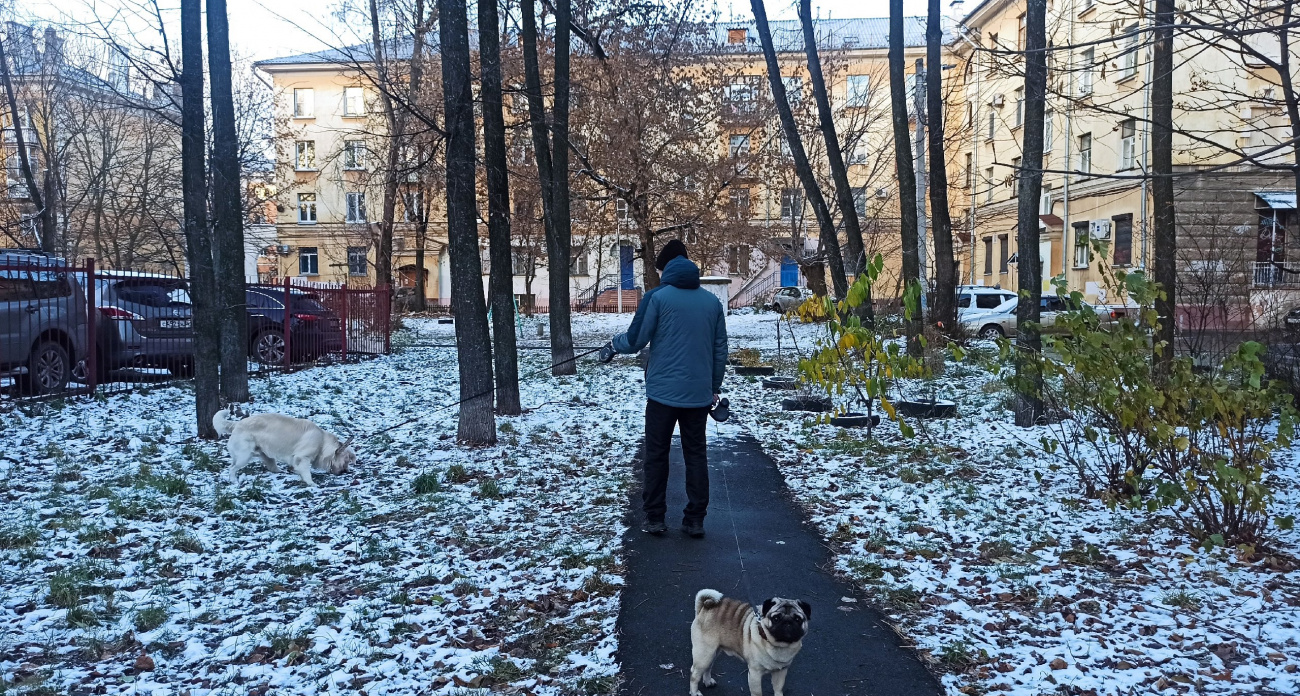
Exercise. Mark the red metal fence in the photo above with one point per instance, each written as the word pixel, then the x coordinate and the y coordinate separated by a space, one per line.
pixel 68 329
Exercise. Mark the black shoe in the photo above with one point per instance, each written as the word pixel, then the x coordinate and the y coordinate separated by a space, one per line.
pixel 655 528
pixel 695 530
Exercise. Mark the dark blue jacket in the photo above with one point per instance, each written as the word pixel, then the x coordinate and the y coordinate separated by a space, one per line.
pixel 686 329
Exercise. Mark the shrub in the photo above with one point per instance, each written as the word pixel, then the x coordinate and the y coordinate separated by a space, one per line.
pixel 149 618
pixel 426 483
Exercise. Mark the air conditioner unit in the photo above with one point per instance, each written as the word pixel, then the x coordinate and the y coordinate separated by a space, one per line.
pixel 282 249
pixel 1099 229
pixel 998 100
pixel 882 193
pixel 413 177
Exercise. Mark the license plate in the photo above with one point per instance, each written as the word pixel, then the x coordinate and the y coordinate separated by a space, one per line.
pixel 174 323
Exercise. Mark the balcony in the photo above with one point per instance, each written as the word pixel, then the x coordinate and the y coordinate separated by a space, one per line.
pixel 1268 275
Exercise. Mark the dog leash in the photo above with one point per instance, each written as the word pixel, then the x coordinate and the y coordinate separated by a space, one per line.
pixel 735 535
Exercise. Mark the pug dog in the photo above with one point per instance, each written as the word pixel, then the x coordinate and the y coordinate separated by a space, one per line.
pixel 766 640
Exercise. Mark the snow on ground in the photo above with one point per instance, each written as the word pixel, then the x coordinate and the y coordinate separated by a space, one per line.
pixel 128 566
pixel 981 549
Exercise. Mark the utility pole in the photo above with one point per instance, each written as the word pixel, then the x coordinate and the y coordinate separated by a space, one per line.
pixel 922 175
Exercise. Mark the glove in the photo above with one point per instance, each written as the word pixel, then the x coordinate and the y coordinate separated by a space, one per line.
pixel 607 352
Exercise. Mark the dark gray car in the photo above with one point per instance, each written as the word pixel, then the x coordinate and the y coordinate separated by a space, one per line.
pixel 145 321
pixel 42 322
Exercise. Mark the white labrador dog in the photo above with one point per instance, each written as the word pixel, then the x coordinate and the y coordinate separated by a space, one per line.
pixel 274 438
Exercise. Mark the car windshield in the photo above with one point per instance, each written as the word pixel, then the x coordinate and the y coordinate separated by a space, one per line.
pixel 160 292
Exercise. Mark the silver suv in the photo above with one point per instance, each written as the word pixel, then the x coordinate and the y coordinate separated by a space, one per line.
pixel 42 322
pixel 789 299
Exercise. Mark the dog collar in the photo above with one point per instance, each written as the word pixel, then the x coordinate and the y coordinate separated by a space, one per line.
pixel 763 633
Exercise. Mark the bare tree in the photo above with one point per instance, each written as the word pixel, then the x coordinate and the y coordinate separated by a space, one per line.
pixel 1029 405
pixel 906 169
pixel 44 212
pixel 1165 242
pixel 394 139
pixel 828 236
pixel 501 279
pixel 206 313
pixel 944 313
pixel 227 209
pixel 476 423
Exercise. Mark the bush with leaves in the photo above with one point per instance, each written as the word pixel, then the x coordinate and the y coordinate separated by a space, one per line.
pixel 859 357
pixel 1191 440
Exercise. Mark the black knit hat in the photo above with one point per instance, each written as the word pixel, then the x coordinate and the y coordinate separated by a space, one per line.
pixel 670 251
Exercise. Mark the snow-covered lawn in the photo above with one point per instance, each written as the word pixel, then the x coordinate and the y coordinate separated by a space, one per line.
pixel 127 566
pixel 981 548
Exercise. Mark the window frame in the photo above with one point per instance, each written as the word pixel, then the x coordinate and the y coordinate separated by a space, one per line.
pixel 1004 254
pixel 307 202
pixel 735 152
pixel 354 155
pixel 301 148
pixel 1127 139
pixel 297 103
pixel 792 203
pixel 363 254
pixel 988 255
pixel 1116 220
pixel 1085 155
pixel 858 96
pixel 1088 60
pixel 306 268
pixel 1128 59
pixel 355 208
pixel 1081 242
pixel 360 93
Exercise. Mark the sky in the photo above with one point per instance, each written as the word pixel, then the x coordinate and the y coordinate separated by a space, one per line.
pixel 269 28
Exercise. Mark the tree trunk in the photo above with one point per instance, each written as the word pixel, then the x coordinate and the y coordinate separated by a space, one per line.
pixel 559 242
pixel 45 233
pixel 395 136
pixel 421 245
pixel 944 313
pixel 227 210
pixel 826 227
pixel 505 349
pixel 857 259
pixel 1029 377
pixel 1288 84
pixel 904 164
pixel 1165 245
pixel 476 423
pixel 198 242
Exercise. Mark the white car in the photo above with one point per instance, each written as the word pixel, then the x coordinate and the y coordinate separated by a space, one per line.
pixel 1001 320
pixel 977 299
pixel 789 299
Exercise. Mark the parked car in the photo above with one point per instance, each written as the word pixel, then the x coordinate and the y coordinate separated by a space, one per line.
pixel 145 320
pixel 42 322
pixel 1001 320
pixel 974 299
pixel 314 329
pixel 789 299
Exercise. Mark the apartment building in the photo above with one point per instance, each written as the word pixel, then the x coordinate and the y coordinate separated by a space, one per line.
pixel 1097 154
pixel 328 203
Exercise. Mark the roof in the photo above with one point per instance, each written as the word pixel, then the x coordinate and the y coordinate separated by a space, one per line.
pixel 787 36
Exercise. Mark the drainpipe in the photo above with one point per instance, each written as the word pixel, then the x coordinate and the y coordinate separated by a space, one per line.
pixel 1066 228
pixel 973 175
pixel 1146 146
pixel 922 177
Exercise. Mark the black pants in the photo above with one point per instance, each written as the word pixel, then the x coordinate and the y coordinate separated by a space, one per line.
pixel 659 422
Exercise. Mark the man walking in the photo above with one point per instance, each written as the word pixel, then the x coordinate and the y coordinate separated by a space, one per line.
pixel 686 329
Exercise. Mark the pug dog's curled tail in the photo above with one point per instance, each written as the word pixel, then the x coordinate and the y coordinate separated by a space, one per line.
pixel 707 599
pixel 221 422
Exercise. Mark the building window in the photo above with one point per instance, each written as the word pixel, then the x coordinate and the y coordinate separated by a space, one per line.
pixel 784 146
pixel 738 146
pixel 306 209
pixel 357 262
pixel 1128 60
pixel 304 155
pixel 354 154
pixel 791 203
pixel 860 200
pixel 1047 131
pixel 304 102
pixel 993 124
pixel 988 181
pixel 1085 154
pixel 859 153
pixel 740 203
pixel 859 90
pixel 1015 177
pixel 412 205
pixel 1123 225
pixel 354 101
pixel 1045 200
pixel 1086 62
pixel 793 89
pixel 988 256
pixel 578 261
pixel 1085 5
pixel 968 171
pixel 738 260
pixel 1127 144
pixel 1004 252
pixel 740 95
pixel 521 262
pixel 307 261
pixel 1020 106
pixel 1081 245
pixel 1022 32
pixel 620 210
pixel 356 206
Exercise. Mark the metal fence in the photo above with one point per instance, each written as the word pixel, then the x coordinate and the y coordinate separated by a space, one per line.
pixel 68 329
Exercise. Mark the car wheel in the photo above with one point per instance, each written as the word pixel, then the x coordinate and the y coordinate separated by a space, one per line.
pixel 268 348
pixel 991 332
pixel 48 369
